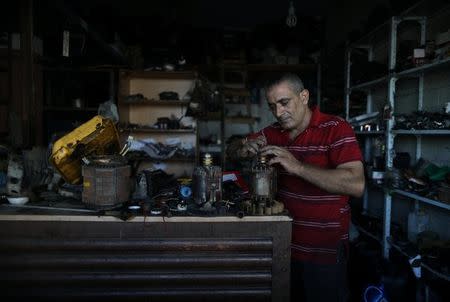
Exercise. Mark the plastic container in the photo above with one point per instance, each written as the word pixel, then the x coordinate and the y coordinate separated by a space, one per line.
pixel 418 221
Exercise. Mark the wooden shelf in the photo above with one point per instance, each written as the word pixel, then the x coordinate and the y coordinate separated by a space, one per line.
pixel 281 67
pixel 242 119
pixel 178 75
pixel 155 130
pixel 172 159
pixel 230 66
pixel 58 108
pixel 157 103
pixel 210 118
pixel 244 92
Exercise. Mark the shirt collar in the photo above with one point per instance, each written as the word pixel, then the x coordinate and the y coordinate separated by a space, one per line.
pixel 315 117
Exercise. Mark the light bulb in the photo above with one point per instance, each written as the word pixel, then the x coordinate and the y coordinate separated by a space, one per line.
pixel 291 19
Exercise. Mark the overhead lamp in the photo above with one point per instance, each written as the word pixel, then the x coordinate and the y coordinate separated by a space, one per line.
pixel 291 19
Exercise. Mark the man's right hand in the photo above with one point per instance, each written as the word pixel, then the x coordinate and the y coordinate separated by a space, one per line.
pixel 250 147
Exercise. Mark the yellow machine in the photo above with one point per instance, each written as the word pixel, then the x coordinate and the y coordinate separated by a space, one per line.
pixel 97 136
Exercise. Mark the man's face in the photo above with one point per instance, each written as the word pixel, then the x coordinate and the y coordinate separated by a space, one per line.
pixel 287 106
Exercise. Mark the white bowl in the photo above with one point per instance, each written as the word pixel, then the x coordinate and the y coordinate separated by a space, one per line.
pixel 17 200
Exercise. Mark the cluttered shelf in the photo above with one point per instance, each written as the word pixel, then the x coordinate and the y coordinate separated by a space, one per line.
pixel 415 71
pixel 422 132
pixel 369 132
pixel 434 202
pixel 65 108
pixel 152 102
pixel 176 75
pixel 282 67
pixel 158 160
pixel 232 65
pixel 431 200
pixel 369 84
pixel 406 248
pixel 242 119
pixel 156 130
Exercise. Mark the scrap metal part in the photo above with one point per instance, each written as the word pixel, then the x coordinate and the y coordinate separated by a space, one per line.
pixel 98 136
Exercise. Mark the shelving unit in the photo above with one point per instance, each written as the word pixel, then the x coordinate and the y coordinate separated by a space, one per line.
pixel 140 117
pixel 72 94
pixel 5 87
pixel 228 92
pixel 389 80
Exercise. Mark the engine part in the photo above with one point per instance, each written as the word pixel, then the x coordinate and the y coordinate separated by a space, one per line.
pixel 98 136
pixel 106 182
pixel 207 183
pixel 263 186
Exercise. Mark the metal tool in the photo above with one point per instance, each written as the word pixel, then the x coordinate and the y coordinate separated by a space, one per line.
pixel 50 208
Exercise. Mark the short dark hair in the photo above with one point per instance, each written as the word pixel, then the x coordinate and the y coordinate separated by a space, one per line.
pixel 293 80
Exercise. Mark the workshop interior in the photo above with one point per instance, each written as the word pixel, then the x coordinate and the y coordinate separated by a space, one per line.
pixel 115 117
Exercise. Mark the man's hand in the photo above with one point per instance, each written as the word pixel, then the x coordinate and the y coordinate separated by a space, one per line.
pixel 250 147
pixel 279 155
pixel 345 179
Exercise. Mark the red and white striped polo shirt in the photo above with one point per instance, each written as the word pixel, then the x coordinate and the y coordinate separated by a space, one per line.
pixel 320 219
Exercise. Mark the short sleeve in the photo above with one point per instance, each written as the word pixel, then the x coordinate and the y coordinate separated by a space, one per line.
pixel 343 145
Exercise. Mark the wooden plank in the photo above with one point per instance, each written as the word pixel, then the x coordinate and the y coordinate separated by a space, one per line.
pixel 173 75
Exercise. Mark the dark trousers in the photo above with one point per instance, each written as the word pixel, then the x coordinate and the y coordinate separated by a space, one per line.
pixel 312 282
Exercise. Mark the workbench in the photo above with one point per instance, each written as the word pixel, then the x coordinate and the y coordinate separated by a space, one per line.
pixel 182 258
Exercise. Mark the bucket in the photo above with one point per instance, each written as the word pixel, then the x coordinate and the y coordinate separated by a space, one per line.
pixel 106 182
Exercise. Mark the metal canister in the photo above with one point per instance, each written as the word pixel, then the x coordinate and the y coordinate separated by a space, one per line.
pixel 106 182
pixel 263 183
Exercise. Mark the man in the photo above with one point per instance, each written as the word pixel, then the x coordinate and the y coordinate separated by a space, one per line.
pixel 319 166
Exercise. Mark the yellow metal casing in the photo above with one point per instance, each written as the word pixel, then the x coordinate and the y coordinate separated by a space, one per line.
pixel 97 136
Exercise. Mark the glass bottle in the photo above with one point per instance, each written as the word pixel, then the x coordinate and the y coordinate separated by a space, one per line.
pixel 207 183
pixel 263 185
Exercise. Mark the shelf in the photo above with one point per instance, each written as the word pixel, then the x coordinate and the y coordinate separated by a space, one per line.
pixel 211 148
pixel 281 67
pixel 434 271
pixel 157 103
pixel 241 119
pixel 239 66
pixel 172 159
pixel 176 75
pixel 244 92
pixel 211 116
pixel 154 130
pixel 99 68
pixel 433 202
pixel 389 35
pixel 57 108
pixel 403 74
pixel 367 233
pixel 421 132
pixel 420 8
pixel 372 83
pixel 420 69
pixel 369 132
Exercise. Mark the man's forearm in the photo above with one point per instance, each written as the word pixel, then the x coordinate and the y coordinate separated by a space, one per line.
pixel 343 180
